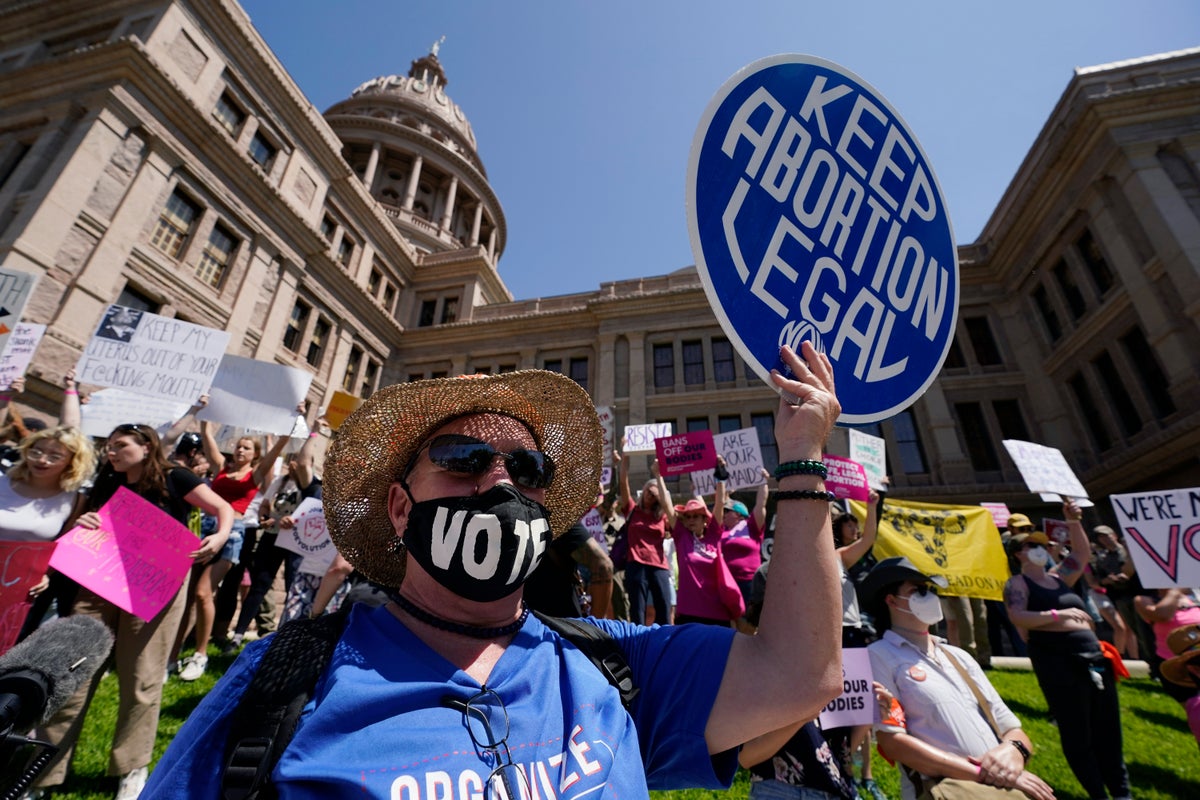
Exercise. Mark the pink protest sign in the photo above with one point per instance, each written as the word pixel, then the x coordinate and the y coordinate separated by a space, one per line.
pixel 137 559
pixel 22 565
pixel 685 452
pixel 1000 513
pixel 847 479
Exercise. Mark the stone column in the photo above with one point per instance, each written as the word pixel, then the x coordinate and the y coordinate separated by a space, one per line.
pixel 246 294
pixel 637 378
pixel 451 196
pixel 474 240
pixel 491 249
pixel 280 311
pixel 414 177
pixel 341 360
pixel 372 164
pixel 606 366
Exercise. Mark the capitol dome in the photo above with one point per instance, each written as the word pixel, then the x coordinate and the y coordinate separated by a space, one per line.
pixel 415 151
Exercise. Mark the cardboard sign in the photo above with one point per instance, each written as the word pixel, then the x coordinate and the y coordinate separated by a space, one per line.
pixel 960 543
pixel 151 355
pixel 847 479
pixel 309 537
pixel 815 215
pixel 1162 533
pixel 137 559
pixel 871 452
pixel 685 452
pixel 22 565
pixel 856 704
pixel 1056 530
pixel 341 405
pixel 15 290
pixel 743 459
pixel 257 395
pixel 1000 513
pixel 640 438
pixel 608 428
pixel 22 343
pixel 1044 469
pixel 108 408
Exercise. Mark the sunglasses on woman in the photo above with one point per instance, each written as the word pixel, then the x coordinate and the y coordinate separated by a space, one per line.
pixel 466 455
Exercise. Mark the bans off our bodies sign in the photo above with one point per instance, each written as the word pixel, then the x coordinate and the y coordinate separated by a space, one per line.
pixel 815 215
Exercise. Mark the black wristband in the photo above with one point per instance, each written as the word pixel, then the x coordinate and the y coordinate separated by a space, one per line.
pixel 806 494
pixel 1022 749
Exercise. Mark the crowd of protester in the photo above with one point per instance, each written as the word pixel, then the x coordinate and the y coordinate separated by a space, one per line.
pixel 1075 607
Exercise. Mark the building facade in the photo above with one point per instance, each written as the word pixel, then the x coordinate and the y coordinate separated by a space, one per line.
pixel 156 154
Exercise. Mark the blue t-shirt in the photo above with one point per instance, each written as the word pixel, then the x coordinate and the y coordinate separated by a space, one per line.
pixel 379 727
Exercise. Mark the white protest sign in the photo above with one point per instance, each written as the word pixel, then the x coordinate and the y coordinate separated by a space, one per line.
pixel 15 289
pixel 743 459
pixel 258 395
pixel 608 428
pixel 595 526
pixel 108 408
pixel 1161 530
pixel 151 355
pixel 1044 469
pixel 309 537
pixel 856 704
pixel 640 438
pixel 871 452
pixel 19 351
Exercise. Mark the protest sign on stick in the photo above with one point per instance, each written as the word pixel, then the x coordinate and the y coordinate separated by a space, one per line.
pixel 871 452
pixel 1162 531
pixel 258 395
pixel 22 565
pixel 743 459
pixel 22 344
pixel 137 559
pixel 1044 469
pixel 151 355
pixel 640 438
pixel 685 452
pixel 309 537
pixel 608 429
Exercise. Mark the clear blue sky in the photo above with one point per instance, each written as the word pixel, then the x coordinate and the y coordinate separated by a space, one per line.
pixel 584 113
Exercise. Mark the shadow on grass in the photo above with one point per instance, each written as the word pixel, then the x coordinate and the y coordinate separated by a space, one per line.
pixel 1163 718
pixel 1143 776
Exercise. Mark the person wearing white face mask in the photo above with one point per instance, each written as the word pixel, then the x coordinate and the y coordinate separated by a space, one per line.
pixel 1073 669
pixel 947 727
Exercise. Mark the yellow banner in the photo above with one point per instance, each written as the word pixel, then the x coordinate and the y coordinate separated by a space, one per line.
pixel 961 543
pixel 341 406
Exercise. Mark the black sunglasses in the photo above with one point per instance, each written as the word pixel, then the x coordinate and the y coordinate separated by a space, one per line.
pixel 467 455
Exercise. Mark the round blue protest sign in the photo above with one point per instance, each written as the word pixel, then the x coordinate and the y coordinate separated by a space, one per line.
pixel 814 214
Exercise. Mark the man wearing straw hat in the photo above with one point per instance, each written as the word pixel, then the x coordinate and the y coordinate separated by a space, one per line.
pixel 448 491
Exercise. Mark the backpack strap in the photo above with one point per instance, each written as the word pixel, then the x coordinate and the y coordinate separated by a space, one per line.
pixel 600 648
pixel 265 720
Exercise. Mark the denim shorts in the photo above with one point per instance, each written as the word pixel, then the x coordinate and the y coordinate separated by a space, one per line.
pixel 233 547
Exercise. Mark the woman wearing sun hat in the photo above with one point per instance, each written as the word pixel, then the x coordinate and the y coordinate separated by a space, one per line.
pixel 1175 616
pixel 1077 679
pixel 703 573
pixel 447 491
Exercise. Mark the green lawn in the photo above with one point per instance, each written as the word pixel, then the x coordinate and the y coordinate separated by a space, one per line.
pixel 1164 763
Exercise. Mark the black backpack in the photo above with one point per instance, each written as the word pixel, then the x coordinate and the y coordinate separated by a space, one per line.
pixel 265 720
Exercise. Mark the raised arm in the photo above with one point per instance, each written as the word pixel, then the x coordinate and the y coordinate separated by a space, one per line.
pixel 180 426
pixel 211 449
pixel 759 513
pixel 853 552
pixel 792 667
pixel 664 495
pixel 70 415
pixel 306 458
pixel 1081 549
pixel 333 578
pixel 622 465
pixel 265 471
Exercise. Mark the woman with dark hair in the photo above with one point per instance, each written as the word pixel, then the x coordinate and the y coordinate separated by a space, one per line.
pixel 648 521
pixel 140 648
pixel 1078 681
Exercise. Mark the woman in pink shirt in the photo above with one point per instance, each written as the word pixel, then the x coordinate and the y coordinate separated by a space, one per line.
pixel 647 523
pixel 744 531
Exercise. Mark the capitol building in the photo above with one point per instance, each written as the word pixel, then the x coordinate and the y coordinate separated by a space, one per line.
pixel 156 154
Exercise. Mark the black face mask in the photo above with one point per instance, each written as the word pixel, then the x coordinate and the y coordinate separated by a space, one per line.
pixel 481 547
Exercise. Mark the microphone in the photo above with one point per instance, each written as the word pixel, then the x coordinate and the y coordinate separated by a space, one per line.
pixel 41 673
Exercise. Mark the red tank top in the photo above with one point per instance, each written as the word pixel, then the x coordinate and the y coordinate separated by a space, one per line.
pixel 238 492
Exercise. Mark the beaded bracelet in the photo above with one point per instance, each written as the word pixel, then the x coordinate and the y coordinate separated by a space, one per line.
pixel 71 391
pixel 806 494
pixel 805 467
